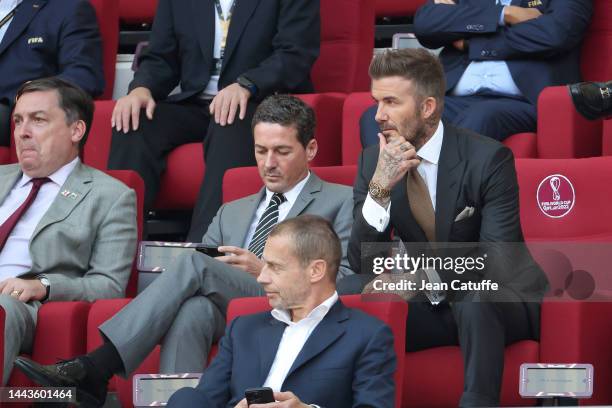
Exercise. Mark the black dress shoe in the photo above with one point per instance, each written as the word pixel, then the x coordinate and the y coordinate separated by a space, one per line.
pixel 90 389
pixel 593 100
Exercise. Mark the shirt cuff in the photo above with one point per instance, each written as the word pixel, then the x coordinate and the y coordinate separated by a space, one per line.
pixel 502 22
pixel 375 214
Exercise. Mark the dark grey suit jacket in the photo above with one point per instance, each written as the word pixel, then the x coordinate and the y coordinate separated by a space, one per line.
pixel 329 200
pixel 473 171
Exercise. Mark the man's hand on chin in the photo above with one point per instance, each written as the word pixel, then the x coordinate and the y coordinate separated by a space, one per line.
pixel 242 259
pixel 23 289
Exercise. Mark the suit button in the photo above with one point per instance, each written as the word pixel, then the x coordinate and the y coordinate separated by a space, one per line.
pixel 484 53
pixel 494 53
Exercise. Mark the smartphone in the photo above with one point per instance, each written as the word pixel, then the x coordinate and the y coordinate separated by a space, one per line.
pixel 261 395
pixel 210 251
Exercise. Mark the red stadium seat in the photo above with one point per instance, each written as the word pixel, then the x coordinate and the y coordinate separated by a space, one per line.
pixel 107 12
pixel 571 332
pixel 397 8
pixel 347 41
pixel 5 155
pixel 606 145
pixel 137 11
pixel 563 132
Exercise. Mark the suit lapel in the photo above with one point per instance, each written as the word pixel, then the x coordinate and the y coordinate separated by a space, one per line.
pixel 325 334
pixel 269 337
pixel 204 21
pixel 76 187
pixel 450 175
pixel 8 182
pixel 25 13
pixel 307 195
pixel 240 18
pixel 240 226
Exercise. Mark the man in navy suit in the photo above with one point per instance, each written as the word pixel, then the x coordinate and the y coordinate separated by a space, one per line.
pixel 227 56
pixel 498 56
pixel 43 38
pixel 311 350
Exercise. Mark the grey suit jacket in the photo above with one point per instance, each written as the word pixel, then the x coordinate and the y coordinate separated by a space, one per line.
pixel 331 201
pixel 86 241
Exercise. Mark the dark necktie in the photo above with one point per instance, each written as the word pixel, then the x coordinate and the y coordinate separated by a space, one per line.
pixel 420 204
pixel 267 221
pixel 9 224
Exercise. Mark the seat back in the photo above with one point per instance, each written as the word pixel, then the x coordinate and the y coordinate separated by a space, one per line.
pixel 107 12
pixel 592 183
pixel 243 181
pixel 606 143
pixel 347 43
pixel 595 64
pixel 393 313
pixel 137 11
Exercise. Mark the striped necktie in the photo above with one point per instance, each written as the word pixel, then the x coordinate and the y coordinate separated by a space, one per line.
pixel 267 221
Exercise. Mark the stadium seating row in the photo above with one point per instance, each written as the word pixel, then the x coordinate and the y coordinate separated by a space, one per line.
pixel 571 331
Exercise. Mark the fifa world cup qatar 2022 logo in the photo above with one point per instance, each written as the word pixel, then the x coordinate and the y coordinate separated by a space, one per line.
pixel 556 196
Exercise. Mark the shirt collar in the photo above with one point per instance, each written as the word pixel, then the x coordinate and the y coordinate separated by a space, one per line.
pixel 430 151
pixel 318 313
pixel 292 194
pixel 59 177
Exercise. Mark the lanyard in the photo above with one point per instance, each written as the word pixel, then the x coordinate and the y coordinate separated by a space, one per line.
pixel 225 22
pixel 11 14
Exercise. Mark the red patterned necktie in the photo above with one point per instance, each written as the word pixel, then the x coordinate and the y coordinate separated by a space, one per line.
pixel 9 224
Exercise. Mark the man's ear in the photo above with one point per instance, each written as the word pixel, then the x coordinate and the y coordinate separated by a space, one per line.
pixel 428 107
pixel 317 270
pixel 78 131
pixel 311 150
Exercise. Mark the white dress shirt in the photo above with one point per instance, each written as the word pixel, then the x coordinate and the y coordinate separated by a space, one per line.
pixel 283 209
pixel 294 338
pixel 15 256
pixel 213 84
pixel 376 215
pixel 5 7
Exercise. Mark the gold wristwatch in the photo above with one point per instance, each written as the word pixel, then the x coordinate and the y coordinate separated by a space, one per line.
pixel 377 191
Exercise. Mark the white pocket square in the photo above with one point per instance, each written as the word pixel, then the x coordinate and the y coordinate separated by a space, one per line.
pixel 466 213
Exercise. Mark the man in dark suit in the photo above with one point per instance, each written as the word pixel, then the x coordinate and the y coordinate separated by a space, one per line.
pixel 188 318
pixel 45 38
pixel 312 350
pixel 227 55
pixel 432 182
pixel 498 56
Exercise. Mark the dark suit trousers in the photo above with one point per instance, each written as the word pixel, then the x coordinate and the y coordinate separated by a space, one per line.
pixel 5 125
pixel 481 328
pixel 494 116
pixel 173 125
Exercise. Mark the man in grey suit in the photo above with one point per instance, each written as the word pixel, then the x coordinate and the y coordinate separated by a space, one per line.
pixel 67 231
pixel 185 306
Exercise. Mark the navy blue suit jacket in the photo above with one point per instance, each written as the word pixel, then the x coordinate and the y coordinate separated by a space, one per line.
pixel 52 38
pixel 541 52
pixel 271 42
pixel 348 361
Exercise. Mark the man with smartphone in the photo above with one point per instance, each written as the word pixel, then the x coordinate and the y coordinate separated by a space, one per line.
pixel 311 350
pixel 184 308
